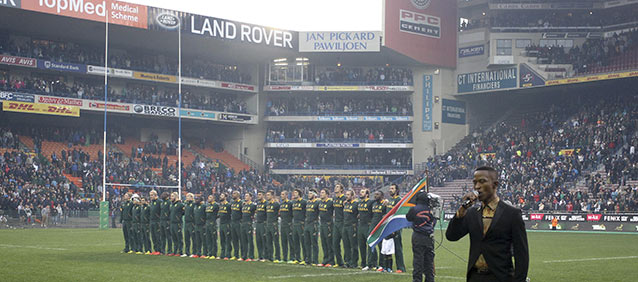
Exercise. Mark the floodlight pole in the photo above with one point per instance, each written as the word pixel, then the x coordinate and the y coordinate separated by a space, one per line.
pixel 106 78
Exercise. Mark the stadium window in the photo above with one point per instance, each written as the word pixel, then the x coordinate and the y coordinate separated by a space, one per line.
pixel 523 43
pixel 503 47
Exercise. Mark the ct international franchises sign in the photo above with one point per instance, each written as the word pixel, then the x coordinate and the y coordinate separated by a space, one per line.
pixel 121 13
pixel 341 41
pixel 453 111
pixel 242 32
pixel 34 108
pixel 487 80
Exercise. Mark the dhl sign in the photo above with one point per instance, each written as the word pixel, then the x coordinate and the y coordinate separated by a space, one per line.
pixel 34 108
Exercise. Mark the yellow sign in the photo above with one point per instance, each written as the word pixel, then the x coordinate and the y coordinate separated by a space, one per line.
pixel 46 109
pixel 338 88
pixel 486 156
pixel 155 77
pixel 568 152
pixel 592 78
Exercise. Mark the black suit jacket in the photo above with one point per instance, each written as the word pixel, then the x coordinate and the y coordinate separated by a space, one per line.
pixel 505 238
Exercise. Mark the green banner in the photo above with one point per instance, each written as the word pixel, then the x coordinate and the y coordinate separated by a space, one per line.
pixel 104 215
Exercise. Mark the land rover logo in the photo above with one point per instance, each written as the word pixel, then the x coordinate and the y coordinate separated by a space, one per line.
pixel 138 109
pixel 421 4
pixel 47 64
pixel 168 21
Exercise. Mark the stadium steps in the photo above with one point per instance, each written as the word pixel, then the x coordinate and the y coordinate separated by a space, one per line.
pixel 27 142
pixel 187 156
pixel 451 189
pixel 224 157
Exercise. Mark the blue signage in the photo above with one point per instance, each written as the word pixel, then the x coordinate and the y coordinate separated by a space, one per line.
pixel 427 102
pixel 529 78
pixel 198 114
pixel 338 145
pixel 453 111
pixel 49 65
pixel 470 51
pixel 364 118
pixel 487 80
pixel 18 97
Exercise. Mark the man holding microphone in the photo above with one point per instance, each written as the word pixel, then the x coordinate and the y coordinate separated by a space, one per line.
pixel 497 232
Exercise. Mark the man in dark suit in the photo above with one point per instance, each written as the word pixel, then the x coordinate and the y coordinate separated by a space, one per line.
pixel 497 232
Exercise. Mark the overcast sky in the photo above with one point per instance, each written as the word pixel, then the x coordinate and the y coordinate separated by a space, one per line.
pixel 297 15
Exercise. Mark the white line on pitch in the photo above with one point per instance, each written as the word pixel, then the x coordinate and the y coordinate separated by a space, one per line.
pixel 355 273
pixel 590 259
pixel 32 247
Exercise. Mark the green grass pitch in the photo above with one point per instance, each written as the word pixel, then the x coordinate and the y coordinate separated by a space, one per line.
pixel 94 255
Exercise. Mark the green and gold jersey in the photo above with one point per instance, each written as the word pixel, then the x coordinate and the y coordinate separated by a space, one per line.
pixel 312 210
pixel 248 211
pixel 326 210
pixel 260 213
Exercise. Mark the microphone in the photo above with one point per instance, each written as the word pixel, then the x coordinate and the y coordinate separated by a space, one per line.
pixel 469 202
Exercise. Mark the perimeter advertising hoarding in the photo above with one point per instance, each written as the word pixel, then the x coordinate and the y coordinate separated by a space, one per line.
pixel 340 41
pixel 424 30
pixel 487 80
pixel 120 13
pixel 18 61
pixel 18 97
pixel 427 103
pixel 239 32
pixel 453 111
pixel 34 108
pixel 529 78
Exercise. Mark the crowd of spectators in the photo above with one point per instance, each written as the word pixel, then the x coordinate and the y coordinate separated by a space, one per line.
pixel 69 52
pixel 554 18
pixel 339 159
pixel 540 159
pixel 593 53
pixel 320 106
pixel 364 76
pixel 135 93
pixel 384 133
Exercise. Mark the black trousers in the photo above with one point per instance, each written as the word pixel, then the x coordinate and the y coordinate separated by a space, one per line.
pixel 423 262
pixel 484 277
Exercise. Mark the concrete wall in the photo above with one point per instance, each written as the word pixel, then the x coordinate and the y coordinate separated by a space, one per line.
pixel 447 135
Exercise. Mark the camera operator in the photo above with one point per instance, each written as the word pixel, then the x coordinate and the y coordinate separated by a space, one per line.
pixel 423 221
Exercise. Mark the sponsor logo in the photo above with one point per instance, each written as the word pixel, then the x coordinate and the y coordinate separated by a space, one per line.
pixel 576 218
pixel 229 30
pixel 49 65
pixel 536 216
pixel 155 110
pixel 619 228
pixel 527 77
pixel 576 227
pixel 234 117
pixel 338 145
pixel 59 101
pixel 109 106
pixel 420 24
pixel 167 20
pixel 18 97
pixel 535 226
pixel 471 51
pixel 238 86
pixel 594 217
pixel 18 61
pixel 26 107
pixel 10 3
pixel 154 77
pixel 421 4
pixel 95 10
pixel 599 227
